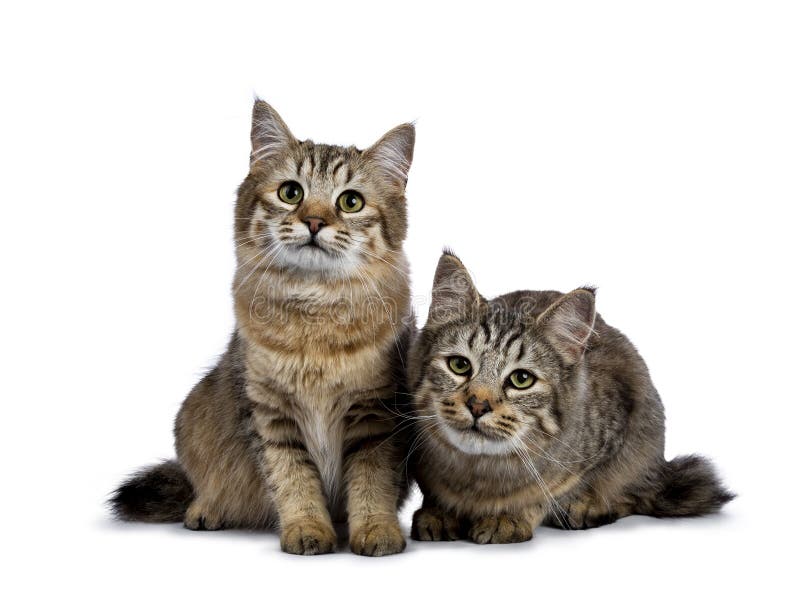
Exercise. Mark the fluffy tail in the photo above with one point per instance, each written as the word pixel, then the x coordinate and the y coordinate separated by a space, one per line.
pixel 688 487
pixel 156 494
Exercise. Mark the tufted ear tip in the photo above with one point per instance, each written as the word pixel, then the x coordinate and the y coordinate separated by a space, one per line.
pixel 449 263
pixel 405 134
pixel 448 252
pixel 262 110
pixel 449 267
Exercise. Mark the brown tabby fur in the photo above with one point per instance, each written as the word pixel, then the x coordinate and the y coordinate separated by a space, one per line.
pixel 581 447
pixel 295 426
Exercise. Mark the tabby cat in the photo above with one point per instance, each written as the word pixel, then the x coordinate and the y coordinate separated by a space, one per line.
pixel 295 425
pixel 532 409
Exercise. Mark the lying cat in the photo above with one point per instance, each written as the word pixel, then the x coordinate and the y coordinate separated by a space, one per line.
pixel 531 409
pixel 295 425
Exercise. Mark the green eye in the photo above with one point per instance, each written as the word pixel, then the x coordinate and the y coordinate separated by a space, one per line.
pixel 290 192
pixel 521 379
pixel 459 365
pixel 350 201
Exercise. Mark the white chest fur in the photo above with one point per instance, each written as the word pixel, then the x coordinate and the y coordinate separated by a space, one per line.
pixel 323 432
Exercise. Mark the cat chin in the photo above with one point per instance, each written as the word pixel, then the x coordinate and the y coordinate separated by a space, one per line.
pixel 316 259
pixel 476 444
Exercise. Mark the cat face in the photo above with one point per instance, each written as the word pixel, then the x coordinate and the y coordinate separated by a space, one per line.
pixel 498 376
pixel 320 208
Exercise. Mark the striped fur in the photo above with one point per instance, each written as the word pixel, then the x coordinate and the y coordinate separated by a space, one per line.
pixel 580 447
pixel 296 425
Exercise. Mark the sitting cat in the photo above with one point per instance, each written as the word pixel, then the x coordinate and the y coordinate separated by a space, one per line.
pixel 531 409
pixel 295 425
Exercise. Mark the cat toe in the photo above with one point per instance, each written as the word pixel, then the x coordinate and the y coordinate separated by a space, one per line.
pixel 378 539
pixel 432 525
pixel 501 529
pixel 200 518
pixel 308 538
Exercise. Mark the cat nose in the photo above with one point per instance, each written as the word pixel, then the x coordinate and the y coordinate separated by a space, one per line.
pixel 314 224
pixel 478 407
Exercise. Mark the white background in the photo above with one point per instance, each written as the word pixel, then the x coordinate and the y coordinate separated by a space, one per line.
pixel 651 149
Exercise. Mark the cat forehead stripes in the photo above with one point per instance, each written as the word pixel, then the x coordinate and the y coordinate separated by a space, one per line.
pixel 334 162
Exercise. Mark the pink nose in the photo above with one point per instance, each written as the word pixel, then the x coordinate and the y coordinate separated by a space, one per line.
pixel 314 224
pixel 478 407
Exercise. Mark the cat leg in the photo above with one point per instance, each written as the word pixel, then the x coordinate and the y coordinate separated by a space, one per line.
pixel 431 523
pixel 229 488
pixel 232 493
pixel 372 478
pixel 294 481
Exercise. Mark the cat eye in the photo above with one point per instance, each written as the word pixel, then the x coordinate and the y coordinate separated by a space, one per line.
pixel 290 192
pixel 350 201
pixel 459 365
pixel 521 379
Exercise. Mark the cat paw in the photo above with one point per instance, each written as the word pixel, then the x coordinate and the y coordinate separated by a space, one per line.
pixel 588 521
pixel 201 517
pixel 434 525
pixel 377 538
pixel 500 529
pixel 584 516
pixel 308 537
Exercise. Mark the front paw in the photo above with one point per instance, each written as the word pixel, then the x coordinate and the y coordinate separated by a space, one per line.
pixel 434 525
pixel 500 529
pixel 378 537
pixel 308 537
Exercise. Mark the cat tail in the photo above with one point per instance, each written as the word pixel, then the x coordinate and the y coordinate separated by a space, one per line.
pixel 156 494
pixel 687 486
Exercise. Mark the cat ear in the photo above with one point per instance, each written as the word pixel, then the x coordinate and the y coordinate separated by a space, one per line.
pixel 393 153
pixel 569 323
pixel 269 134
pixel 454 296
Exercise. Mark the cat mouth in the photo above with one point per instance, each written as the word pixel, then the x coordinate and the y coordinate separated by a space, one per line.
pixel 476 430
pixel 312 244
pixel 475 441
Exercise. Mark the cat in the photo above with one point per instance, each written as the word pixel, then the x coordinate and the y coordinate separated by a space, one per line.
pixel 295 426
pixel 530 409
